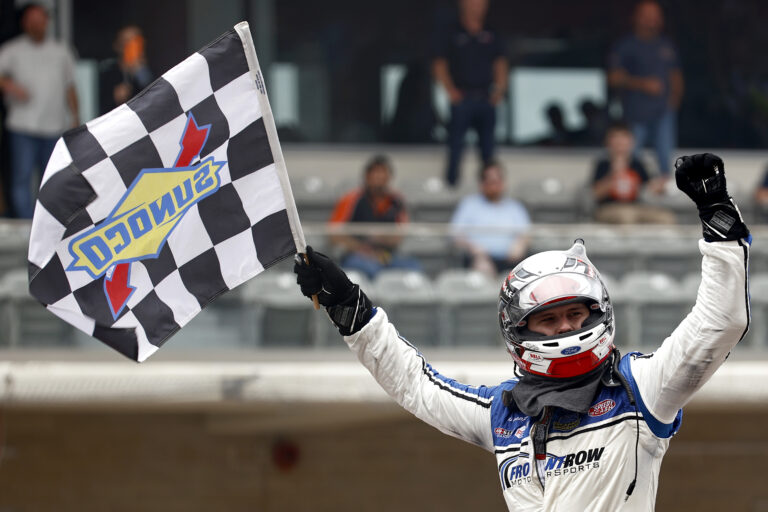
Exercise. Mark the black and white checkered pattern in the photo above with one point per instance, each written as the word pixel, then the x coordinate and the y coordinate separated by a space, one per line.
pixel 230 236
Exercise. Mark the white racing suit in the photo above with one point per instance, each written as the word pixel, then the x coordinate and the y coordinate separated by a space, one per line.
pixel 590 458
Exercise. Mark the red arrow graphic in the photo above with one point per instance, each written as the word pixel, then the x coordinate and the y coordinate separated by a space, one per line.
pixel 191 142
pixel 117 289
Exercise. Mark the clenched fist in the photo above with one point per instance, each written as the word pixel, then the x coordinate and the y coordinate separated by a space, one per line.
pixel 702 178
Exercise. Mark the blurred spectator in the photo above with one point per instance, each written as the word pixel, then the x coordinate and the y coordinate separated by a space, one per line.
pixel 3 207
pixel 374 202
pixel 619 180
pixel 644 67
pixel 469 63
pixel 414 117
pixel 761 197
pixel 37 80
pixel 121 77
pixel 476 217
pixel 596 122
pixel 9 27
pixel 559 135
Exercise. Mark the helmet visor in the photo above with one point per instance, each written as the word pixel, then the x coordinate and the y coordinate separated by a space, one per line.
pixel 550 291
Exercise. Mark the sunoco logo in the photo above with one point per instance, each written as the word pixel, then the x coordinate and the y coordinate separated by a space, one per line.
pixel 139 225
pixel 146 215
pixel 601 408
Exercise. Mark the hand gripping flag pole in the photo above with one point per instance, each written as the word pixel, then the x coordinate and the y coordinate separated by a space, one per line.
pixel 146 214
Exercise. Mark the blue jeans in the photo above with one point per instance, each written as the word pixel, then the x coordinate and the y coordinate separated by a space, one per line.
pixel 471 112
pixel 371 266
pixel 29 154
pixel 662 135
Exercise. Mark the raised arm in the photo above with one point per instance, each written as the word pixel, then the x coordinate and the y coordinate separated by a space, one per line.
pixel 453 408
pixel 668 378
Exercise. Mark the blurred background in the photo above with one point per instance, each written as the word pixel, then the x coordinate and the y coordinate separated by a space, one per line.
pixel 430 145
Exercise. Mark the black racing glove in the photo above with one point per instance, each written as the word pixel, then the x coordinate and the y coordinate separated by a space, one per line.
pixel 347 306
pixel 702 178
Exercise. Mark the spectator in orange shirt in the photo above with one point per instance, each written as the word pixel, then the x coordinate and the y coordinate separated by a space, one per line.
pixel 124 75
pixel 619 180
pixel 374 202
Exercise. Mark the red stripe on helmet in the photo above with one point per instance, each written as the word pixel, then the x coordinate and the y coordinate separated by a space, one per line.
pixel 560 299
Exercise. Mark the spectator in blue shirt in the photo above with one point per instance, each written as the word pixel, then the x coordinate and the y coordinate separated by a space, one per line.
pixel 644 68
pixel 469 63
pixel 491 229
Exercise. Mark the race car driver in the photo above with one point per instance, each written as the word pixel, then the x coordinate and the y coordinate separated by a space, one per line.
pixel 580 427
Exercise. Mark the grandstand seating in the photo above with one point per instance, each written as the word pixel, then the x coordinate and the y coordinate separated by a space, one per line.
pixel 429 200
pixel 655 304
pixel 554 200
pixel 613 255
pixel 436 253
pixel 652 275
pixel 410 301
pixel 675 256
pixel 455 309
pixel 612 252
pixel 758 335
pixel 316 196
pixel 14 240
pixel 276 313
pixel 23 321
pixel 469 305
pixel 758 260
pixel 224 323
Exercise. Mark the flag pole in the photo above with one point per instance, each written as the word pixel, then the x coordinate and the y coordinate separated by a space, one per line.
pixel 244 32
pixel 315 301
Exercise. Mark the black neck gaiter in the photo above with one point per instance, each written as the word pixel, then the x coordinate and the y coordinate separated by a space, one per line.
pixel 576 394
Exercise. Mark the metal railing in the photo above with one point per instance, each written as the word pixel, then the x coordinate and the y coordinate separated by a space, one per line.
pixel 250 316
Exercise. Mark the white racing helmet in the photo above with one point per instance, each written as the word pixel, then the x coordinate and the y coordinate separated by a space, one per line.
pixel 549 279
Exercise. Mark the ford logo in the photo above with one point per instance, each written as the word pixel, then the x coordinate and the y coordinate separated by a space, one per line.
pixel 570 350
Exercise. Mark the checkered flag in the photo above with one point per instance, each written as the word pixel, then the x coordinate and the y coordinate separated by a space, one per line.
pixel 148 213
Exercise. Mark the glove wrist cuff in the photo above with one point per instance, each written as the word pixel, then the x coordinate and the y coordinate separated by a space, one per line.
pixel 722 222
pixel 351 314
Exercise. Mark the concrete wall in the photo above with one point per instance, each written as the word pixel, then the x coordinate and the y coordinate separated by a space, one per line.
pixel 370 457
